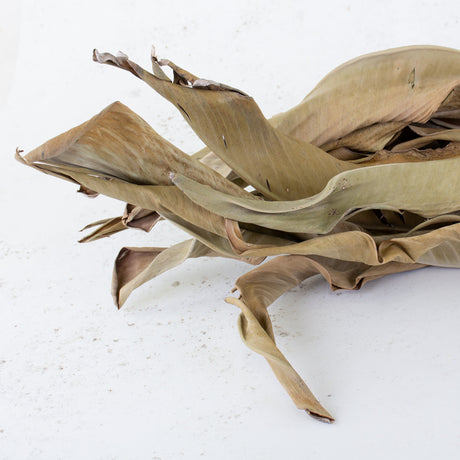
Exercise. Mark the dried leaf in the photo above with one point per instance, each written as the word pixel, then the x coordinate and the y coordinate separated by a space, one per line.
pixel 133 217
pixel 405 85
pixel 384 198
pixel 438 247
pixel 425 188
pixel 231 124
pixel 263 285
pixel 136 266
pixel 452 135
pixel 120 144
pixel 105 228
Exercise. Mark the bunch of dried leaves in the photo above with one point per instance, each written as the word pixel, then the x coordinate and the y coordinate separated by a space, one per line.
pixel 359 180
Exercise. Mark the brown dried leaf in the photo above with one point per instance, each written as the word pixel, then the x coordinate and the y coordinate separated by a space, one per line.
pixel 401 85
pixel 136 266
pixel 231 124
pixel 262 286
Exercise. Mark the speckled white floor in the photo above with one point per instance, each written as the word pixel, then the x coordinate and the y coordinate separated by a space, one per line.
pixel 167 377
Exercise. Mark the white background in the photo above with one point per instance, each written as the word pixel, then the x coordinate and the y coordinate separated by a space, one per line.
pixel 167 377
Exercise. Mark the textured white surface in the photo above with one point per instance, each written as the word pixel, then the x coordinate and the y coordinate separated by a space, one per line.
pixel 167 377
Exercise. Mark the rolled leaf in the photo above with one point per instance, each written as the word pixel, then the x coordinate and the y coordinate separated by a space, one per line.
pixel 136 266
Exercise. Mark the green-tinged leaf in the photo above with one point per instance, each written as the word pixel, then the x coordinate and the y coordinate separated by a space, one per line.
pixel 425 188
